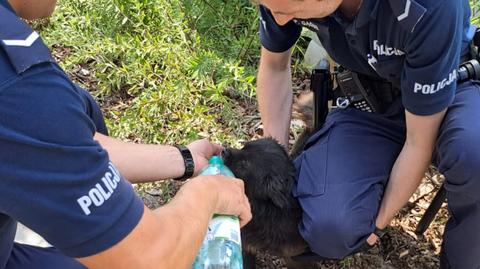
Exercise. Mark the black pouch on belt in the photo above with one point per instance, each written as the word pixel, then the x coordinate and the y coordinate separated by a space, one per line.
pixel 355 94
pixel 363 92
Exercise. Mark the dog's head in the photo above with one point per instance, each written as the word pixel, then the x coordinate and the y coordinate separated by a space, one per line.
pixel 266 168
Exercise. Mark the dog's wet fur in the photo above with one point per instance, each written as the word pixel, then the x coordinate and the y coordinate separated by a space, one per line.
pixel 269 175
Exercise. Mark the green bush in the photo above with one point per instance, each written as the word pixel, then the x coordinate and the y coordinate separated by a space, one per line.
pixel 161 68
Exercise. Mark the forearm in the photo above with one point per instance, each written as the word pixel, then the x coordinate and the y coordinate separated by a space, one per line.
pixel 142 163
pixel 185 223
pixel 274 92
pixel 275 105
pixel 405 177
pixel 410 165
pixel 168 237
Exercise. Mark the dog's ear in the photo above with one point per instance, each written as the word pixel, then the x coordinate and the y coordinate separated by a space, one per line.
pixel 278 189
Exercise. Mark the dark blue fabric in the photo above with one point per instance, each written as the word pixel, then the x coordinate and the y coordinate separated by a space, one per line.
pixel 277 38
pixel 5 4
pixel 93 111
pixel 55 178
pixel 343 171
pixel 7 234
pixel 417 53
pixel 458 158
pixel 30 257
pixel 341 177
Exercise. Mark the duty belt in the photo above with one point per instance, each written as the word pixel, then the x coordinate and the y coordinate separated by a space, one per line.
pixel 363 92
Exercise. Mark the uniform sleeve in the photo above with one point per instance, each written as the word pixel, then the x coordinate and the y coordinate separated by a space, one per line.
pixel 277 38
pixel 432 57
pixel 55 178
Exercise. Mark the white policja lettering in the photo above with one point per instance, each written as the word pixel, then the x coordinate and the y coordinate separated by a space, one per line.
pixel 102 191
pixel 434 88
pixel 385 50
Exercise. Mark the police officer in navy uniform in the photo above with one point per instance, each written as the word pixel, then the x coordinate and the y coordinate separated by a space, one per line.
pixel 59 176
pixel 361 167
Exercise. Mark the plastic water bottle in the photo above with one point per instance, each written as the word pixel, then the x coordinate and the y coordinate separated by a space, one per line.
pixel 221 248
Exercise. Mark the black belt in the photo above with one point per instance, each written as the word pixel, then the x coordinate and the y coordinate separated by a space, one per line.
pixel 364 92
pixel 384 90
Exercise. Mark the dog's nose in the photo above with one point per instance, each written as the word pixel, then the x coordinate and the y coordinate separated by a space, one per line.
pixel 225 154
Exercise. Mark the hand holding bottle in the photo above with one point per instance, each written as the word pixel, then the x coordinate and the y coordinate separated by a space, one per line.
pixel 231 198
pixel 202 150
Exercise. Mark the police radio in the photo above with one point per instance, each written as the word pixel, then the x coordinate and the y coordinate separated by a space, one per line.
pixel 355 93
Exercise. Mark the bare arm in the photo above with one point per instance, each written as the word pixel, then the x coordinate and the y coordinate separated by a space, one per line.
pixel 142 163
pixel 170 236
pixel 410 165
pixel 274 91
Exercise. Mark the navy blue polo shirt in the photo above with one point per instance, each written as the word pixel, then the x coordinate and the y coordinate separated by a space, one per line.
pixel 54 177
pixel 415 44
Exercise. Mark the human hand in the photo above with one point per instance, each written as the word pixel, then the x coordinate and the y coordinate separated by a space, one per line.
pixel 370 242
pixel 377 234
pixel 202 150
pixel 230 196
pixel 372 239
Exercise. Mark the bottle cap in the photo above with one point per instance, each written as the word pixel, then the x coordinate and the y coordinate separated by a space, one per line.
pixel 216 160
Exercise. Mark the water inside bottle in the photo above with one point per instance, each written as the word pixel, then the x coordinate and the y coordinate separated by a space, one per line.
pixel 219 254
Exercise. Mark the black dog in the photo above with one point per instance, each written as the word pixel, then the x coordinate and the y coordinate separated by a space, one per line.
pixel 269 175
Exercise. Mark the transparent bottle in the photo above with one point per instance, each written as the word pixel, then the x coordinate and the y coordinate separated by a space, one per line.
pixel 221 248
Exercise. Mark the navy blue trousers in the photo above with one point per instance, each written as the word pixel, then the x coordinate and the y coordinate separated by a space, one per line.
pixel 346 165
pixel 30 257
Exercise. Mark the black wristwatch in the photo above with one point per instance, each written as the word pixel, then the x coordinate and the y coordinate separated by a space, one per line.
pixel 379 232
pixel 188 161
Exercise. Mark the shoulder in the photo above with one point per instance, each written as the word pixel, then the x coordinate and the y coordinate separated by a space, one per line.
pixel 7 72
pixel 405 6
pixel 410 13
pixel 36 96
pixel 45 105
pixel 21 47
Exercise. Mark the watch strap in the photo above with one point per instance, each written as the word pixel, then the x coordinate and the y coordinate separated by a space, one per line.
pixel 379 232
pixel 188 162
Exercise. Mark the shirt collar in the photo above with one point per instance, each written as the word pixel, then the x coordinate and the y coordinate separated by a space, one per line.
pixel 367 12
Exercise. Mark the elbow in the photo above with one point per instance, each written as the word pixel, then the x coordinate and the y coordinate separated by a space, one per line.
pixel 277 62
